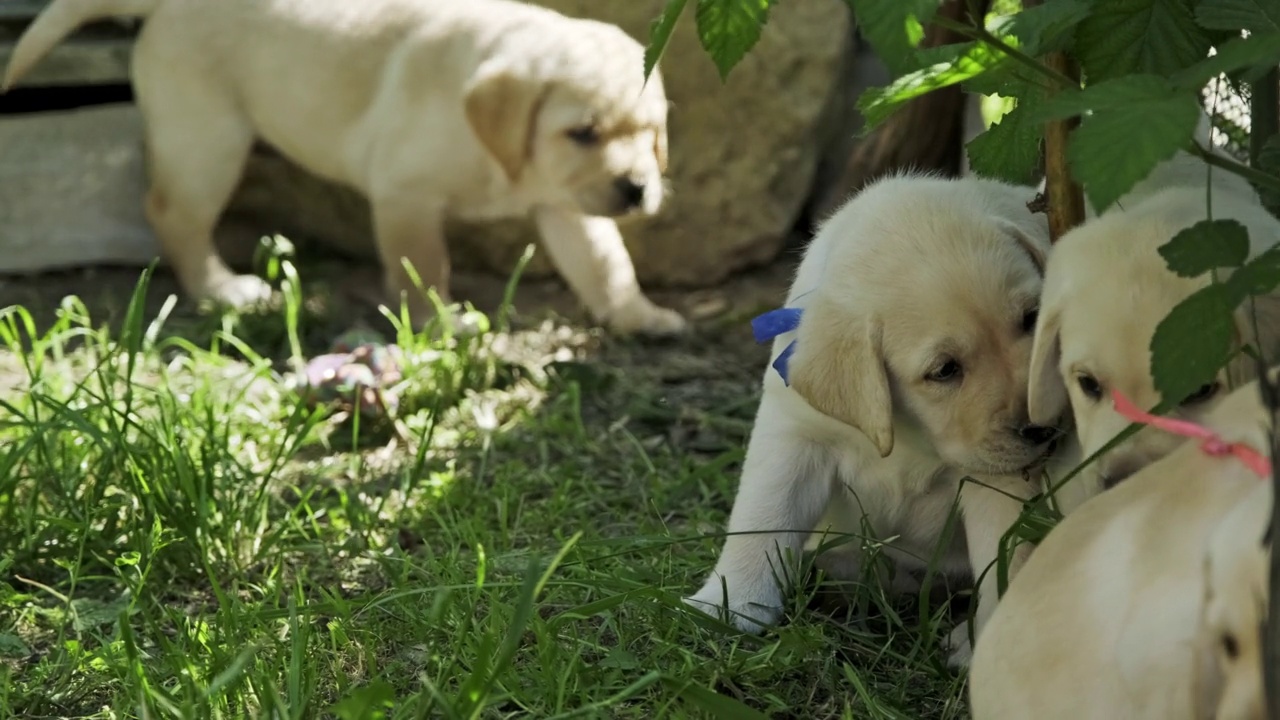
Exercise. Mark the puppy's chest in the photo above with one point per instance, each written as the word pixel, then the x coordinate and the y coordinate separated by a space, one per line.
pixel 910 499
pixel 479 199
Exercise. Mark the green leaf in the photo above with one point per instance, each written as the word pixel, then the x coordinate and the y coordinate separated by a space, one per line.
pixel 1261 49
pixel 366 703
pixel 1207 245
pixel 1046 27
pixel 967 60
pixel 729 28
pixel 1251 15
pixel 12 646
pixel 1269 162
pixel 1121 37
pixel 1193 342
pixel 660 34
pixel 1136 123
pixel 894 28
pixel 1259 276
pixel 1010 149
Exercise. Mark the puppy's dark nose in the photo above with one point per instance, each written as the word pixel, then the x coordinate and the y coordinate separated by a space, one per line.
pixel 631 192
pixel 1037 434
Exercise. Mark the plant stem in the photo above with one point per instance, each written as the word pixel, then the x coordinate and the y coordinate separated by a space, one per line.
pixel 1065 196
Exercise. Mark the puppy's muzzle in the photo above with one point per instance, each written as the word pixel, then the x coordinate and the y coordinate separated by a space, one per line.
pixel 631 194
pixel 1037 434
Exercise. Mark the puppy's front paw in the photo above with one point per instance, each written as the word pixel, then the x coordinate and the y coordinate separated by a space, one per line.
pixel 748 612
pixel 239 292
pixel 959 649
pixel 642 317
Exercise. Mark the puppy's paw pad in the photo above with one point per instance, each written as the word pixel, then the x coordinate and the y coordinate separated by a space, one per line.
pixel 650 321
pixel 747 617
pixel 959 649
pixel 240 291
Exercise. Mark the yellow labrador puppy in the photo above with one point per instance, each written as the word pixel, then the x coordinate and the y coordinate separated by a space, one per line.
pixel 916 303
pixel 431 108
pixel 1146 601
pixel 1106 290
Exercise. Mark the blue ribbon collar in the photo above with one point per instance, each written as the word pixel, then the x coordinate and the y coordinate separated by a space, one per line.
pixel 770 325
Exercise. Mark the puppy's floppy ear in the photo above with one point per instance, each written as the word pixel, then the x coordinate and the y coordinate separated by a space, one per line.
pixel 502 108
pixel 1046 394
pixel 660 149
pixel 1035 245
pixel 838 368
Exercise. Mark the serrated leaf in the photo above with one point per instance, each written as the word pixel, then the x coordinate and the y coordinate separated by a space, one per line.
pixel 1261 49
pixel 1121 142
pixel 1268 161
pixel 1009 150
pixel 660 34
pixel 1259 276
pixel 12 646
pixel 1251 15
pixel 894 28
pixel 1207 245
pixel 90 613
pixel 730 28
pixel 968 60
pixel 1109 94
pixel 1193 342
pixel 1121 37
pixel 1045 27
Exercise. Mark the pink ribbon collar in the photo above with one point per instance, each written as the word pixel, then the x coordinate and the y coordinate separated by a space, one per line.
pixel 1210 442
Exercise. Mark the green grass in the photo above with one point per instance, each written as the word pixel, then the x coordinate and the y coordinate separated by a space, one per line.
pixel 181 537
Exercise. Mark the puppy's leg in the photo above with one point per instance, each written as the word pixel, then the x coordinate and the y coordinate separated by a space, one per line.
pixel 590 255
pixel 409 229
pixel 989 506
pixel 197 145
pixel 786 484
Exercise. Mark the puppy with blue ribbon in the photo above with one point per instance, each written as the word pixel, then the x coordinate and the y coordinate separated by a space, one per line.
pixel 898 368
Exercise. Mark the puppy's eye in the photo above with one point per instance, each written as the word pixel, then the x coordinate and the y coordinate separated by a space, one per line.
pixel 1029 320
pixel 949 371
pixel 1230 647
pixel 583 134
pixel 1089 386
pixel 1203 393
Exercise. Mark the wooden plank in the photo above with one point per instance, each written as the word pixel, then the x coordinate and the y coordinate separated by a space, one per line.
pixel 84 62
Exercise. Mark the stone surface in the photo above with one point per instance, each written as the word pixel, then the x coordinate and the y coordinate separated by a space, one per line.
pixel 71 186
pixel 745 156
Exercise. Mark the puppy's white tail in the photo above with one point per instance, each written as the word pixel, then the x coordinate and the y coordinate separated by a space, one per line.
pixel 59 20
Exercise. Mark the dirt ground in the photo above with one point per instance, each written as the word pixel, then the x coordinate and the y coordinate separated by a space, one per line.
pixel 339 295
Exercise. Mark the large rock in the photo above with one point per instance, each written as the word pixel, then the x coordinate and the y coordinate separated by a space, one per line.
pixel 744 154
pixel 744 157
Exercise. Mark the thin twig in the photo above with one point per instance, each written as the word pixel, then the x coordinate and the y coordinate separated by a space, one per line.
pixel 1255 176
pixel 981 34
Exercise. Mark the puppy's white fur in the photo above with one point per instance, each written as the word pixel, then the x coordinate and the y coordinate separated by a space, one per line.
pixel 430 108
pixel 1122 610
pixel 1106 290
pixel 912 273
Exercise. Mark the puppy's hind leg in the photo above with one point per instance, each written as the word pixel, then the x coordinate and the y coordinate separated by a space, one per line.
pixel 590 255
pixel 197 144
pixel 786 484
